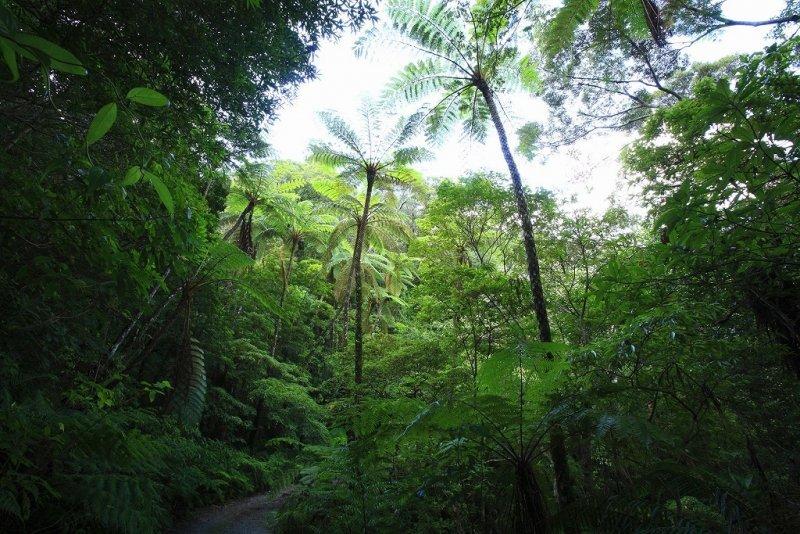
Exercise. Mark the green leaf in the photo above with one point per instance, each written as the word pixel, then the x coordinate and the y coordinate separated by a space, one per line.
pixel 529 74
pixel 60 59
pixel 101 123
pixel 147 97
pixel 133 175
pixel 228 258
pixel 528 136
pixel 261 298
pixel 10 57
pixel 161 189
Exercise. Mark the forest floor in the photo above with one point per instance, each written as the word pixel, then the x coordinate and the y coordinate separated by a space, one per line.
pixel 245 516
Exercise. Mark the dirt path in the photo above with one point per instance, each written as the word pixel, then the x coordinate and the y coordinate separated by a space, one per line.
pixel 246 516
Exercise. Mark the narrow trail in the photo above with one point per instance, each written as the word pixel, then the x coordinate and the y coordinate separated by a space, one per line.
pixel 245 516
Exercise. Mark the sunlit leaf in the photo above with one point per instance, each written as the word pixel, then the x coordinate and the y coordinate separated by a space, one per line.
pixel 133 175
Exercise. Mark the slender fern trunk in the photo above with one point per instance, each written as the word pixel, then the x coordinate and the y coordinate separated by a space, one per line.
pixel 359 246
pixel 284 290
pixel 531 514
pixel 344 309
pixel 245 239
pixel 558 454
pixel 534 276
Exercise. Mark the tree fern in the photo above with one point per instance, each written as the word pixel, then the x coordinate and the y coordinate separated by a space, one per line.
pixel 379 156
pixel 121 502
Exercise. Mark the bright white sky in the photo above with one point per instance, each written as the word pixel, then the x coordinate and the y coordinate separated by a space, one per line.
pixel 589 171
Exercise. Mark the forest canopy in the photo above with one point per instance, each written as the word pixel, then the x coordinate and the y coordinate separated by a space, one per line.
pixel 190 319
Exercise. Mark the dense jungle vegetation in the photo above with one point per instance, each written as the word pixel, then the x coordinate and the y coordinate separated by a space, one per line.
pixel 187 320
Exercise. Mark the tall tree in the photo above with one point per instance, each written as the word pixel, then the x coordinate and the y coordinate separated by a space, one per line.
pixel 304 223
pixel 378 155
pixel 386 230
pixel 470 56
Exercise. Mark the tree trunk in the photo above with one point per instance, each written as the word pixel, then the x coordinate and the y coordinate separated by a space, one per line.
pixel 284 289
pixel 563 481
pixel 558 454
pixel 125 333
pixel 359 246
pixel 245 239
pixel 534 276
pixel 530 516
pixel 254 431
pixel 250 206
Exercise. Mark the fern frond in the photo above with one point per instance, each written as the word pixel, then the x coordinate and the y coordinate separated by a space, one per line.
pixel 326 154
pixel 434 26
pixel 476 114
pixel 189 396
pixel 445 114
pixel 419 79
pixel 409 155
pixel 560 32
pixel 342 131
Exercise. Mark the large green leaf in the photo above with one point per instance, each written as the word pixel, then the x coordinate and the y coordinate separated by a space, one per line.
pixel 57 57
pixel 536 366
pixel 147 97
pixel 133 175
pixel 102 123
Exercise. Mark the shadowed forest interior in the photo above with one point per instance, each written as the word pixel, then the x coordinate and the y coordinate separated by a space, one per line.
pixel 190 319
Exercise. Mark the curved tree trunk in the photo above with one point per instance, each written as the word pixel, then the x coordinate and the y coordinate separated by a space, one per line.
pixel 250 206
pixel 359 246
pixel 245 239
pixel 558 454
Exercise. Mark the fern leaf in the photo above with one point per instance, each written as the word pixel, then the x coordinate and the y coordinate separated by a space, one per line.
pixel 560 33
pixel 190 390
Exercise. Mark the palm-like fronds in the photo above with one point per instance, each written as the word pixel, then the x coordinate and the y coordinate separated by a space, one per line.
pixel 379 156
pixel 379 146
pixel 262 203
pixel 386 227
pixel 463 50
pixel 434 27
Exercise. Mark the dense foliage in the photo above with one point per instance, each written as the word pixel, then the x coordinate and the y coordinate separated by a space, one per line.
pixel 187 321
